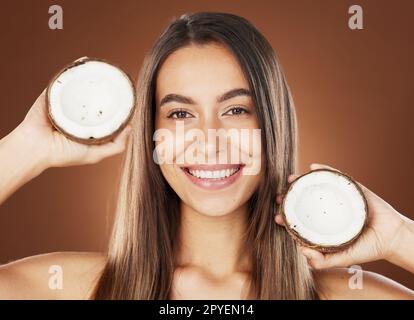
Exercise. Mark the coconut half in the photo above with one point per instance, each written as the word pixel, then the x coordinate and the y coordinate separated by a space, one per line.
pixel 90 101
pixel 325 210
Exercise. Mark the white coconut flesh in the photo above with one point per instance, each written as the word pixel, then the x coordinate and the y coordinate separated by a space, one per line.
pixel 325 208
pixel 91 100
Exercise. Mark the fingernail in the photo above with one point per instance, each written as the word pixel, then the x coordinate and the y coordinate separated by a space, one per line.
pixel 80 59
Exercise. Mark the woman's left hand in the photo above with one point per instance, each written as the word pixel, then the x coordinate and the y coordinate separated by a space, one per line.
pixel 379 240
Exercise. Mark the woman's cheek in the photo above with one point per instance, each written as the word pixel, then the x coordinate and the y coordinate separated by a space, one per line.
pixel 251 150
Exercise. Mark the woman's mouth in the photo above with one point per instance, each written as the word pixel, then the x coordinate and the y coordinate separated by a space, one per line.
pixel 213 177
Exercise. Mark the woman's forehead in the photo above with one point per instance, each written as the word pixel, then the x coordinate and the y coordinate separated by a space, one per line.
pixel 199 71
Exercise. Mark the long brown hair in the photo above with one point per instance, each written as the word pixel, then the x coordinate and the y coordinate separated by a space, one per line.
pixel 140 262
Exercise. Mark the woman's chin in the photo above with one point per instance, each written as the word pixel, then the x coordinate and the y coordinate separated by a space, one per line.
pixel 213 212
pixel 214 207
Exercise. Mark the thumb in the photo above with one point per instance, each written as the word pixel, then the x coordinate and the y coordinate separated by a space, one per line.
pixel 315 166
pixel 319 260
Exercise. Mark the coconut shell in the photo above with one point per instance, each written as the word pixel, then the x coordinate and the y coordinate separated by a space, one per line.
pixel 91 140
pixel 305 242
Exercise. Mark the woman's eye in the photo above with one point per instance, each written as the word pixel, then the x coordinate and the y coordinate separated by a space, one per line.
pixel 180 114
pixel 236 111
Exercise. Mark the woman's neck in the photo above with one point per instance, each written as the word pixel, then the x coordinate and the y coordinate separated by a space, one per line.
pixel 215 244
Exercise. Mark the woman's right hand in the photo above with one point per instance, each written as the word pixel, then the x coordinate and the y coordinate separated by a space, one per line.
pixel 55 150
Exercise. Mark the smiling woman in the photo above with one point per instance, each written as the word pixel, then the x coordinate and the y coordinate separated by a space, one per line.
pixel 208 71
pixel 202 229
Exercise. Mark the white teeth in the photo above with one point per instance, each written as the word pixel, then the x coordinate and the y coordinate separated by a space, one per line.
pixel 215 174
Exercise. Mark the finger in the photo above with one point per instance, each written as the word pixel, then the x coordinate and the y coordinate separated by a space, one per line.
pixel 292 177
pixel 121 138
pixel 114 147
pixel 279 220
pixel 81 58
pixel 119 143
pixel 279 198
pixel 315 166
pixel 339 259
pixel 315 258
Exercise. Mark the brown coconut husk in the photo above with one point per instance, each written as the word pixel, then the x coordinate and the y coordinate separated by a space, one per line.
pixel 307 243
pixel 90 140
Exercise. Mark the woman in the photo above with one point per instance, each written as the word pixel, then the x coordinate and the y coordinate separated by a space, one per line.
pixel 179 233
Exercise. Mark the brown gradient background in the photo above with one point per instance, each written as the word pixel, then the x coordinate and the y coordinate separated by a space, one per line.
pixel 353 92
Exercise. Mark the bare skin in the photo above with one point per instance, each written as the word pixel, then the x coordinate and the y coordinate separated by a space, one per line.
pixel 211 263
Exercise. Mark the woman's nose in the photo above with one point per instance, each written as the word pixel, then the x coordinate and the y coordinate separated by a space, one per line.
pixel 215 139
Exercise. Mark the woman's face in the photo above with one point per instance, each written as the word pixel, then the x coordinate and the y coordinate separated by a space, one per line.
pixel 203 99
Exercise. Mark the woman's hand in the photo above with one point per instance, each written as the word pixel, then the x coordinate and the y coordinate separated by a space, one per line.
pixel 53 149
pixel 382 238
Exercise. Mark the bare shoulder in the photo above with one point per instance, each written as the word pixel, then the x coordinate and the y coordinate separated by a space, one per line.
pixel 344 283
pixel 59 275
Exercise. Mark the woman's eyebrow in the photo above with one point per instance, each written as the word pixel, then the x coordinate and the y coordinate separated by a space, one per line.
pixel 173 97
pixel 233 93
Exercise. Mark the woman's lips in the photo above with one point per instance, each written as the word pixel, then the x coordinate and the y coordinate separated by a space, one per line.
pixel 213 177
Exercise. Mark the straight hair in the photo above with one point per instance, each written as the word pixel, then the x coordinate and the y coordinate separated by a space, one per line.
pixel 140 261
